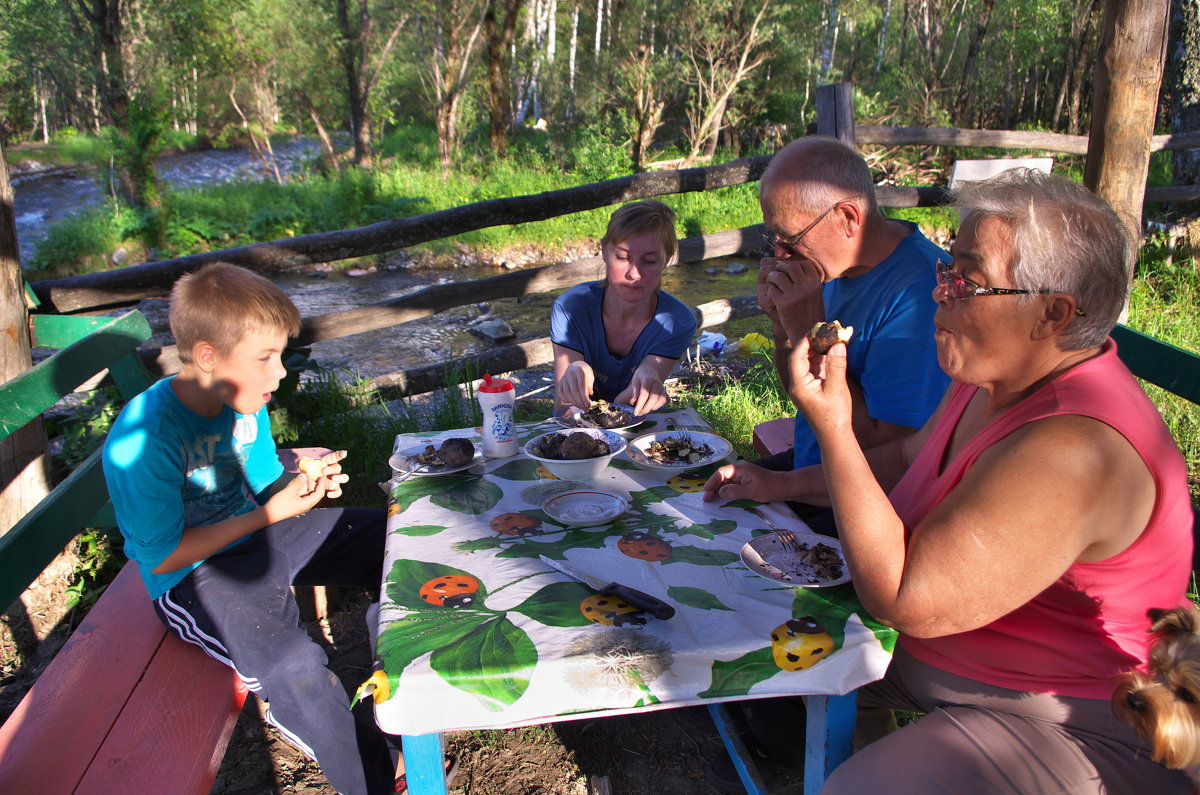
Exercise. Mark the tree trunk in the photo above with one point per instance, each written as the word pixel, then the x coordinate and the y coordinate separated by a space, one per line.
pixel 831 30
pixel 1125 98
pixel 883 31
pixel 572 59
pixel 977 36
pixel 499 38
pixel 354 42
pixel 1185 86
pixel 23 464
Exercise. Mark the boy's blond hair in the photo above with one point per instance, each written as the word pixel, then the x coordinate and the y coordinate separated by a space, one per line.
pixel 636 218
pixel 221 303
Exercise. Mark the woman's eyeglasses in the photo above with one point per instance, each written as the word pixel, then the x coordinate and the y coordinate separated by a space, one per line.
pixel 960 288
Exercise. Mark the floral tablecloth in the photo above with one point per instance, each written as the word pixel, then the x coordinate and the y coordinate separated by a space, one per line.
pixel 516 648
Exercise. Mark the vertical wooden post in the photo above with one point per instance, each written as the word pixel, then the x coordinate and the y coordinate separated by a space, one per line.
pixel 23 466
pixel 835 112
pixel 1129 73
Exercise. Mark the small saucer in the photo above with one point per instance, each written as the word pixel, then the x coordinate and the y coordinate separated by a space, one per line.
pixel 585 507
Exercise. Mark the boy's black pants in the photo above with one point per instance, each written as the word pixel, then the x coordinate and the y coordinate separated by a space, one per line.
pixel 238 606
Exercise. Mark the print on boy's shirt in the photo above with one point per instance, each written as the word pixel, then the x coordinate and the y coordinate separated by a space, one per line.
pixel 215 466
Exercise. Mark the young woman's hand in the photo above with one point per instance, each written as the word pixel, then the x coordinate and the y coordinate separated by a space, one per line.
pixel 645 392
pixel 575 386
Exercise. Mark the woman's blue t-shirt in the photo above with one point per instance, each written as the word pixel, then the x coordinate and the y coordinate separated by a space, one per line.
pixel 576 322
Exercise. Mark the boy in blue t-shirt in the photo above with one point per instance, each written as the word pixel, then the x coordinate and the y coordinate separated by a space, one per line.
pixel 220 533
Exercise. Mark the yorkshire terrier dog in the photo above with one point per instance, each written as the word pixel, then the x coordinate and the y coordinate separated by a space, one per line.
pixel 1164 704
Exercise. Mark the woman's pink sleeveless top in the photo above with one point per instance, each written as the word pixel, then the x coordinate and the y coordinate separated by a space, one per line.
pixel 1091 624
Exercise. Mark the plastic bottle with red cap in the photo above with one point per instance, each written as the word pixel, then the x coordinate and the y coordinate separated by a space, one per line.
pixel 496 398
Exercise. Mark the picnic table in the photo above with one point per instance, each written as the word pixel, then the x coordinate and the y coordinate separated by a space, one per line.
pixel 477 632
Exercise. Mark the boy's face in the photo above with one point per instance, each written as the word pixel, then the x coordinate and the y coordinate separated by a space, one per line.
pixel 247 375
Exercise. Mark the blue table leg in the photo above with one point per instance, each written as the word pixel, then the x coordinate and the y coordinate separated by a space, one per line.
pixel 742 762
pixel 425 763
pixel 828 737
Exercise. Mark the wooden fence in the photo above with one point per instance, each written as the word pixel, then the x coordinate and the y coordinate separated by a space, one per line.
pixel 110 289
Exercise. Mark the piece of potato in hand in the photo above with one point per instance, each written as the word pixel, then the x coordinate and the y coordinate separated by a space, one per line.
pixel 824 335
pixel 312 467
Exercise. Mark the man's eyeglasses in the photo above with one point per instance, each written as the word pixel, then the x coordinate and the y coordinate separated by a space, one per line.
pixel 789 244
pixel 960 288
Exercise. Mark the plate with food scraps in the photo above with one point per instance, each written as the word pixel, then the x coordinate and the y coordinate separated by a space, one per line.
pixel 425 461
pixel 610 416
pixel 678 449
pixel 585 507
pixel 818 564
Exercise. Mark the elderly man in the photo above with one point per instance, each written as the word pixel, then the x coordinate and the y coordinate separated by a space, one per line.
pixel 836 257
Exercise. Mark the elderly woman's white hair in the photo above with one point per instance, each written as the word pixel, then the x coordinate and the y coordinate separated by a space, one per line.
pixel 1066 240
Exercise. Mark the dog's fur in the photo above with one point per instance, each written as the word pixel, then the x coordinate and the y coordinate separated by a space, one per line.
pixel 1164 703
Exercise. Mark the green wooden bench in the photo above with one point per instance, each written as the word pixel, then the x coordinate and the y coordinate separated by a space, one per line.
pixel 124 706
pixel 831 719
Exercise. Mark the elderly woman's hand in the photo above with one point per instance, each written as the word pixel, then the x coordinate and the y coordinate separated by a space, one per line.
pixel 645 393
pixel 574 388
pixel 818 387
pixel 745 481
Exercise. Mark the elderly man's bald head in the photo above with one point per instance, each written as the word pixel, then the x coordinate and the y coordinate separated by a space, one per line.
pixel 812 173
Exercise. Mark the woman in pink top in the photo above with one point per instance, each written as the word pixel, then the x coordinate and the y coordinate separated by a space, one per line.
pixel 1017 540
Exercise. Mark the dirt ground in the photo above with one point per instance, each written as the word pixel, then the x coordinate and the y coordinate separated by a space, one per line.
pixel 663 752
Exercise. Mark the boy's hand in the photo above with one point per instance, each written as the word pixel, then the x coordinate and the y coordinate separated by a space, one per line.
pixel 297 497
pixel 323 476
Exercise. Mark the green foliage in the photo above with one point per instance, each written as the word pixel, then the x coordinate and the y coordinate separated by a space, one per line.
pixel 81 242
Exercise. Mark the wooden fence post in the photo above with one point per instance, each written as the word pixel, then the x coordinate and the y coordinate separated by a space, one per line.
pixel 23 470
pixel 835 112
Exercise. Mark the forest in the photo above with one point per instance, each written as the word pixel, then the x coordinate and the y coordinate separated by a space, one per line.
pixel 647 83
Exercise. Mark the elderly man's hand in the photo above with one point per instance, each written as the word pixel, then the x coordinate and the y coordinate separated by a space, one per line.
pixel 575 386
pixel 746 481
pixel 792 288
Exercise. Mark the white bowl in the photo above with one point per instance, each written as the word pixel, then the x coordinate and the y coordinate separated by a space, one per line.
pixel 579 468
pixel 637 449
pixel 585 507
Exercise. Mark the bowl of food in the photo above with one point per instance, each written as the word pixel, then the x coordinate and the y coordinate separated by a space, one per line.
pixel 578 454
pixel 678 450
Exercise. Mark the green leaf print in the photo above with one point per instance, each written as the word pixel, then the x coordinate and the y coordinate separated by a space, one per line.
pixel 412 636
pixel 408 577
pixel 695 597
pixel 621 463
pixel 576 539
pixel 707 531
pixel 518 469
pixel 736 677
pixel 701 557
pixel 419 530
pixel 414 489
pixel 490 663
pixel 652 495
pixel 473 495
pixel 557 605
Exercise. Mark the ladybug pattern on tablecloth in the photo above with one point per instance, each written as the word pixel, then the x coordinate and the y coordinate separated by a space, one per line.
pixel 800 643
pixel 644 546
pixel 611 611
pixel 516 524
pixel 452 590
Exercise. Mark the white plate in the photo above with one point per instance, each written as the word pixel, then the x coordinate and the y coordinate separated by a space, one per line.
pixel 720 449
pixel 585 508
pixel 404 459
pixel 767 557
pixel 574 417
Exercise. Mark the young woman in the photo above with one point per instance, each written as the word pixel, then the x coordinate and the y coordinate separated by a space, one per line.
pixel 617 339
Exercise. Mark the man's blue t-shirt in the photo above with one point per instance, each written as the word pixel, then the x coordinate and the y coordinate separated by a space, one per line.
pixel 576 322
pixel 168 468
pixel 893 354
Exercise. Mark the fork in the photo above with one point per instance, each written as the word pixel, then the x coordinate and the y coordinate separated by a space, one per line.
pixel 786 537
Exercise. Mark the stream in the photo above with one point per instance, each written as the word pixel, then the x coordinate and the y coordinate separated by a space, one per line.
pixel 42 200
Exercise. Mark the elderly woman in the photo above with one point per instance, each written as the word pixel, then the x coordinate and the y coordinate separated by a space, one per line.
pixel 1017 540
pixel 618 338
